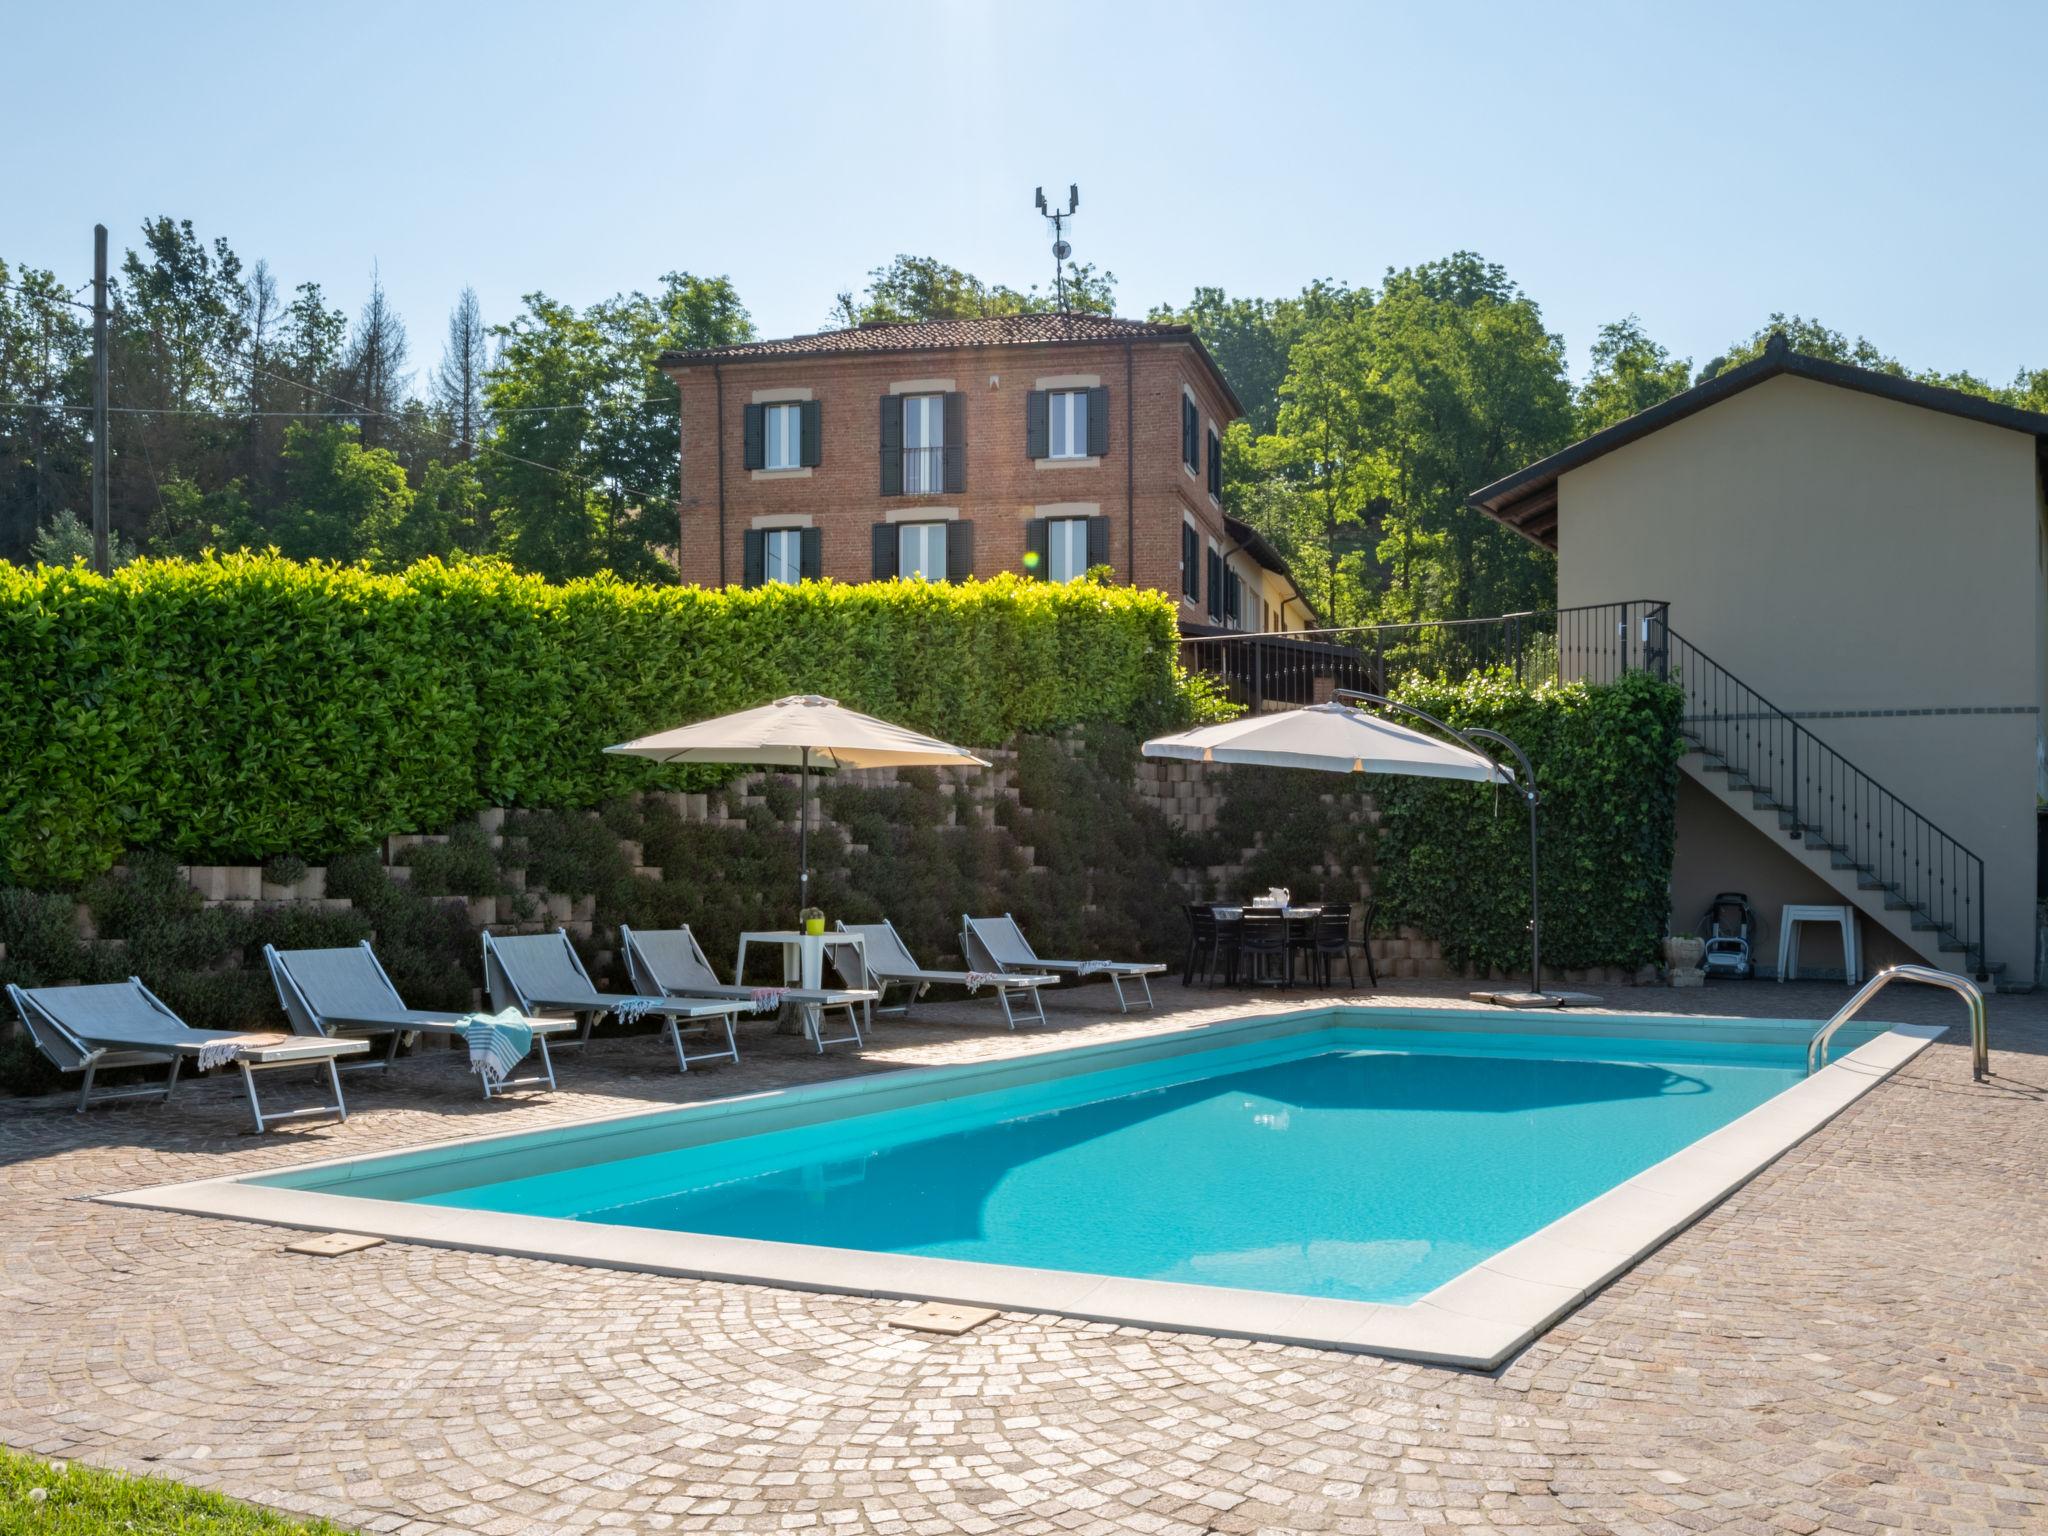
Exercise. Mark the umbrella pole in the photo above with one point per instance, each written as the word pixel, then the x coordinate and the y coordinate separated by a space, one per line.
pixel 803 841
pixel 1471 738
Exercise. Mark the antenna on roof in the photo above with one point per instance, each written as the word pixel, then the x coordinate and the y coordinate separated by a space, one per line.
pixel 1060 249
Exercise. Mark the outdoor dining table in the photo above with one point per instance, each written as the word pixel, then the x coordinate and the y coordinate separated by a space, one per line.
pixel 803 965
pixel 1300 920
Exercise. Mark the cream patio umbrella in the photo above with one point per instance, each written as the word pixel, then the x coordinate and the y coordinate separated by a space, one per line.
pixel 803 731
pixel 1340 738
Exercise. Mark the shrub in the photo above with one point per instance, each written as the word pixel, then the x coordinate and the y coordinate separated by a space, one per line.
pixel 242 706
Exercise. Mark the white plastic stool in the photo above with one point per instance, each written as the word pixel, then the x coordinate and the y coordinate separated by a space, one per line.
pixel 1788 938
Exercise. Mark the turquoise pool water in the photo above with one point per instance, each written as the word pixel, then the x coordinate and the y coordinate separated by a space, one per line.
pixel 1367 1165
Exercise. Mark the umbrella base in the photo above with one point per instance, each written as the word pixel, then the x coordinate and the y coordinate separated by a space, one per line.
pixel 1537 999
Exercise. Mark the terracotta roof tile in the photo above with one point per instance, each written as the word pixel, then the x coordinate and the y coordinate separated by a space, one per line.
pixel 939 335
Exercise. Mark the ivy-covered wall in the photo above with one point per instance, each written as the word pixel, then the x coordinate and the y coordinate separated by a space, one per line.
pixel 1453 857
pixel 233 708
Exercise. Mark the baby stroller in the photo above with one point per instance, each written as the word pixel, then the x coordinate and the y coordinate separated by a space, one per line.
pixel 1727 928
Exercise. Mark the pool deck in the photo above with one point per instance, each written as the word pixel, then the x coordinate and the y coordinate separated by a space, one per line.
pixel 1856 1341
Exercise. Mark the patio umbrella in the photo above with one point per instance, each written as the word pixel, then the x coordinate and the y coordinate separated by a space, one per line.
pixel 1339 738
pixel 803 731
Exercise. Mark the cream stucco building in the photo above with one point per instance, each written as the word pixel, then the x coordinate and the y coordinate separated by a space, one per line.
pixel 1858 599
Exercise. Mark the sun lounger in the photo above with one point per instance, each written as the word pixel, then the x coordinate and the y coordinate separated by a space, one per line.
pixel 339 993
pixel 890 964
pixel 669 962
pixel 540 973
pixel 124 1024
pixel 998 944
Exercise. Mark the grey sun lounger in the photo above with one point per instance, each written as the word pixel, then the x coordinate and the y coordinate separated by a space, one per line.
pixel 339 993
pixel 540 973
pixel 890 964
pixel 998 944
pixel 669 962
pixel 124 1024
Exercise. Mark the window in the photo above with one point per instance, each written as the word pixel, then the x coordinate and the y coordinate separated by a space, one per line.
pixel 1215 465
pixel 782 551
pixel 924 452
pixel 921 547
pixel 1190 435
pixel 1066 546
pixel 1067 410
pixel 784 444
pixel 1190 562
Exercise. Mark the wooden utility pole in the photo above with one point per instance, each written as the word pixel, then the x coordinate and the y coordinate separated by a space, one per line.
pixel 101 517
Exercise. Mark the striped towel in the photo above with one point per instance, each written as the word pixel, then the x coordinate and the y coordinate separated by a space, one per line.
pixel 498 1042
pixel 767 998
pixel 976 980
pixel 225 1049
pixel 627 1009
pixel 218 1053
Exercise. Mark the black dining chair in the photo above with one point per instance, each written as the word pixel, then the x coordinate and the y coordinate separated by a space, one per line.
pixel 1262 940
pixel 1332 938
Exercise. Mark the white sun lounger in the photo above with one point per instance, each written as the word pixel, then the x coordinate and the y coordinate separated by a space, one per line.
pixel 541 973
pixel 124 1024
pixel 669 962
pixel 339 993
pixel 890 964
pixel 998 944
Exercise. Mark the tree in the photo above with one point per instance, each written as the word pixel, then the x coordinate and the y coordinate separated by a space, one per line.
pixel 458 392
pixel 1252 340
pixel 342 501
pixel 373 374
pixel 1630 374
pixel 913 288
pixel 66 539
pixel 582 471
pixel 45 381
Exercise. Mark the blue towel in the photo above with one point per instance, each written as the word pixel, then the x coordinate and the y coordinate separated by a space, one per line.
pixel 498 1042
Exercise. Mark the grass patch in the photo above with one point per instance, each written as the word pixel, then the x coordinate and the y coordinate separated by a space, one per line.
pixel 59 1499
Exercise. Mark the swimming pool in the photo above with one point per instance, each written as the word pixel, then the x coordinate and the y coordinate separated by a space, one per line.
pixel 1437 1184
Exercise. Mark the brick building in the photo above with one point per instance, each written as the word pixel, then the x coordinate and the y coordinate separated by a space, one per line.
pixel 1043 444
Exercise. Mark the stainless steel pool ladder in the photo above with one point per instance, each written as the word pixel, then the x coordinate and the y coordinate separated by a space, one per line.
pixel 1962 986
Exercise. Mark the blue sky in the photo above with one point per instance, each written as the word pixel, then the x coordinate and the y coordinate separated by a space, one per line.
pixel 1875 165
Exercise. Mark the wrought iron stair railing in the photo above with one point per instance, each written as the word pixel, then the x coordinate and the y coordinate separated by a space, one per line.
pixel 1826 802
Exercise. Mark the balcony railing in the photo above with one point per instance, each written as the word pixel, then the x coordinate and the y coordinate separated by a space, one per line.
pixel 924 469
pixel 1282 671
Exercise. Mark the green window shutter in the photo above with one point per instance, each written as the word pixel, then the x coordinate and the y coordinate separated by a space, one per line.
pixel 1098 422
pixel 885 551
pixel 810 553
pixel 1098 541
pixel 1215 586
pixel 892 447
pixel 755 567
pixel 955 430
pixel 756 436
pixel 1190 563
pixel 959 549
pixel 1215 466
pixel 808 452
pixel 1037 544
pixel 1037 425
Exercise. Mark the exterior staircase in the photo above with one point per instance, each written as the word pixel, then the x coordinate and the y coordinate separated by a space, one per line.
pixel 1894 865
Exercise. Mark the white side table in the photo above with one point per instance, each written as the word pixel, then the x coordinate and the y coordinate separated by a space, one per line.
pixel 1788 938
pixel 803 965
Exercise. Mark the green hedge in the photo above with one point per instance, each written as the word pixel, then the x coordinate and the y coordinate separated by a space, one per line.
pixel 237 707
pixel 1453 858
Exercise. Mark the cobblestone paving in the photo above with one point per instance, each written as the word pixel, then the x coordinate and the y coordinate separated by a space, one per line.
pixel 1856 1342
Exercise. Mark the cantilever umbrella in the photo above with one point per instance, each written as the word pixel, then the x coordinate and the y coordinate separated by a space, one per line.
pixel 1337 738
pixel 803 731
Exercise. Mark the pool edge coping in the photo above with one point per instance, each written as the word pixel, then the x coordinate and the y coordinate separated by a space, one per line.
pixel 1475 1320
